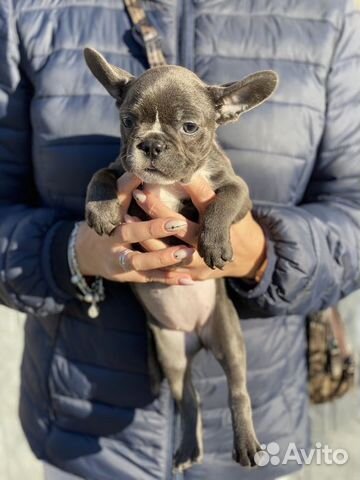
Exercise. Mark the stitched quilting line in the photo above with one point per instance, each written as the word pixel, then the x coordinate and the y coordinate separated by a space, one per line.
pixel 264 152
pixel 108 6
pixel 276 15
pixel 104 51
pixel 260 59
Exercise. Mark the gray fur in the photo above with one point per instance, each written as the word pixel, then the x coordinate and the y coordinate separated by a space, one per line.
pixel 153 110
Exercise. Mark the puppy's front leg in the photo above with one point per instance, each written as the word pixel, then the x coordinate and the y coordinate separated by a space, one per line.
pixel 223 336
pixel 231 204
pixel 102 211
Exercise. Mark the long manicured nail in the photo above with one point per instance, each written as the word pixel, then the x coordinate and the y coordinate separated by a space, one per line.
pixel 183 253
pixel 139 196
pixel 128 218
pixel 186 281
pixel 173 225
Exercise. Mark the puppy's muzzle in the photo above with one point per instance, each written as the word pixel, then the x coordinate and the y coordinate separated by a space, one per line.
pixel 152 147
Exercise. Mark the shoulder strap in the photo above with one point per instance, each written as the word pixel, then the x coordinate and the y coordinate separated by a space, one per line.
pixel 148 32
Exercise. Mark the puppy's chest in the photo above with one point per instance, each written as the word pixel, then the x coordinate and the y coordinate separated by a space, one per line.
pixel 173 196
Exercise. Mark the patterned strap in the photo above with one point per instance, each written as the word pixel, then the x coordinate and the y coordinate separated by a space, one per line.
pixel 332 366
pixel 148 32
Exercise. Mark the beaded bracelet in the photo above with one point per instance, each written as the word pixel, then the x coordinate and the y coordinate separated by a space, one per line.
pixel 93 293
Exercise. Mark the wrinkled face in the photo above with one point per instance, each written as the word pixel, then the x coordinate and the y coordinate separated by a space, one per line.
pixel 167 126
pixel 169 116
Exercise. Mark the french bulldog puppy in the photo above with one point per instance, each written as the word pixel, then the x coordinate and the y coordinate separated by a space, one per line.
pixel 168 122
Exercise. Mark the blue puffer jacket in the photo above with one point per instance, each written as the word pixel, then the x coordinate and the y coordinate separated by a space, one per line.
pixel 85 400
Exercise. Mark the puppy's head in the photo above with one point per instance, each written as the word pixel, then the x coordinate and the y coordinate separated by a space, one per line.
pixel 169 116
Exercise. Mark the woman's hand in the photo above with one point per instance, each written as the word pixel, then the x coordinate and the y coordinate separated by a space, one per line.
pixel 247 238
pixel 99 255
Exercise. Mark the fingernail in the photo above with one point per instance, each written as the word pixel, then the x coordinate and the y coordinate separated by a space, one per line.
pixel 183 253
pixel 186 281
pixel 139 196
pixel 173 225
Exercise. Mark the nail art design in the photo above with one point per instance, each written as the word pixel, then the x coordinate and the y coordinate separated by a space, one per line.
pixel 174 225
pixel 139 196
pixel 181 254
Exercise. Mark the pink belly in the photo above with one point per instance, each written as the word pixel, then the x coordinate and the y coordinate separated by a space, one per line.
pixel 178 307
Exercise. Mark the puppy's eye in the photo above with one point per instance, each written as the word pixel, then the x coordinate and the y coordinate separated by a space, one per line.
pixel 128 122
pixel 190 127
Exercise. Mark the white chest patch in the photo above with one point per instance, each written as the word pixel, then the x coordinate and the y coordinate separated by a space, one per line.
pixel 171 195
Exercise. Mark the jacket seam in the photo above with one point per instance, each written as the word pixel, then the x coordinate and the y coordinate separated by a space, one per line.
pixel 69 95
pixel 57 395
pixel 339 149
pixel 260 59
pixel 276 15
pixel 263 152
pixel 108 329
pixel 119 6
pixel 347 59
pixel 105 367
pixel 296 105
pixel 96 366
pixel 80 49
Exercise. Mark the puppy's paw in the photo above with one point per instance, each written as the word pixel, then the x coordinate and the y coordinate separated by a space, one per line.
pixel 103 216
pixel 186 457
pixel 215 248
pixel 245 449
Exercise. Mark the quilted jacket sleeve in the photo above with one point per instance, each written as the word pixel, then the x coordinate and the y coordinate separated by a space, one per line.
pixel 314 248
pixel 29 235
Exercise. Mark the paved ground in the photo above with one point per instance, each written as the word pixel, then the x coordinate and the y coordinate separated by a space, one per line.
pixel 337 425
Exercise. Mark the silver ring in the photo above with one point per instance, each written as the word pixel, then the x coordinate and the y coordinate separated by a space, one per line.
pixel 123 259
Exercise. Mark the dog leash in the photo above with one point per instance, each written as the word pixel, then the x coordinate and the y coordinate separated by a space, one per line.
pixel 148 32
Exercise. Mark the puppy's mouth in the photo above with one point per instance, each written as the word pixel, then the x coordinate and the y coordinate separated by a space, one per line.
pixel 152 175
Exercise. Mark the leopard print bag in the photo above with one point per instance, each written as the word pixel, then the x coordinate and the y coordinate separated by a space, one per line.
pixel 331 363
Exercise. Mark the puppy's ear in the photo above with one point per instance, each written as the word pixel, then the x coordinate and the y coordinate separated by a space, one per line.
pixel 114 79
pixel 233 99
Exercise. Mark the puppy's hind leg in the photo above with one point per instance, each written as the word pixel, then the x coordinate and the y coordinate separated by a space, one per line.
pixel 223 336
pixel 155 371
pixel 175 360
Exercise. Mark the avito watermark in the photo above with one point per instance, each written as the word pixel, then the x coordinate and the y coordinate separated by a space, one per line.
pixel 320 455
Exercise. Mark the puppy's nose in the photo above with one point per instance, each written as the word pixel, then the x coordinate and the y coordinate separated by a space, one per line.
pixel 152 147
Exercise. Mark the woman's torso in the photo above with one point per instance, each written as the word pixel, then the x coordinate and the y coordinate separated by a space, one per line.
pixel 92 396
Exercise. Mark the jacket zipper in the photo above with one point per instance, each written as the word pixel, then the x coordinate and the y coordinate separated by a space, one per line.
pixel 185 33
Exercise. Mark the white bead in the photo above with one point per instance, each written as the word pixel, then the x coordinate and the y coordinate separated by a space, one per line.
pixel 75 279
pixel 88 298
pixel 93 311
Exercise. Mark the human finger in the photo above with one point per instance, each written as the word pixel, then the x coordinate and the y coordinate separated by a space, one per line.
pixel 159 259
pixel 150 245
pixel 137 232
pixel 125 186
pixel 151 204
pixel 153 245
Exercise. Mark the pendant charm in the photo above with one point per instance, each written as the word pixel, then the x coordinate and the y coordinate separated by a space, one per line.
pixel 93 311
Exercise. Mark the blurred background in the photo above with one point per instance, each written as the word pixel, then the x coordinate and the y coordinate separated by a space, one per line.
pixel 336 424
